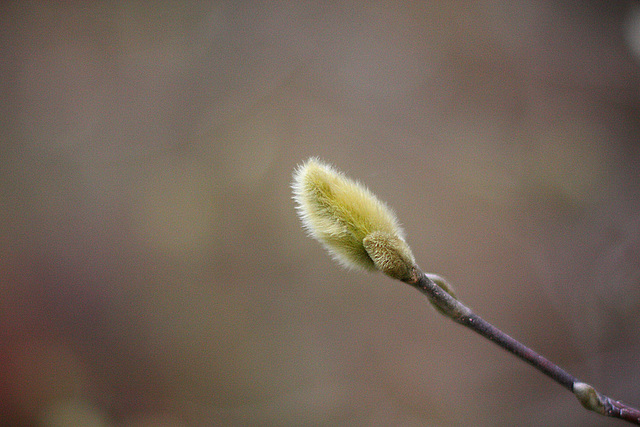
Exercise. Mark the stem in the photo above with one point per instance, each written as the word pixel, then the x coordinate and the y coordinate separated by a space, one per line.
pixel 487 330
pixel 460 313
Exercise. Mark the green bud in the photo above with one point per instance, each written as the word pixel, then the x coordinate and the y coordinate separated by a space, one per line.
pixel 589 397
pixel 356 228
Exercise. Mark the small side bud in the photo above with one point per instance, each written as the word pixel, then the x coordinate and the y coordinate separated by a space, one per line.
pixel 342 214
pixel 442 282
pixel 445 286
pixel 589 397
pixel 390 254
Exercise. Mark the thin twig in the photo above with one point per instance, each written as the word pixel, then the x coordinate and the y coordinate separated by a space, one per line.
pixel 460 313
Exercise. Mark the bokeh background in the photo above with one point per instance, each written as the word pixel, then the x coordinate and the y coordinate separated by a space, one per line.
pixel 153 271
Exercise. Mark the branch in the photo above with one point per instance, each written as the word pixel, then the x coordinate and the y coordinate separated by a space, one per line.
pixel 449 306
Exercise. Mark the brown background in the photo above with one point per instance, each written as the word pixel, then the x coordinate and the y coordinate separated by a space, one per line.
pixel 153 271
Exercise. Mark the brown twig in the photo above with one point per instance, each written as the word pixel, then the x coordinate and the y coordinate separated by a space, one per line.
pixel 460 313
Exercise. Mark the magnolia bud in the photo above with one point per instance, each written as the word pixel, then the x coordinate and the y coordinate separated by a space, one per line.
pixel 356 228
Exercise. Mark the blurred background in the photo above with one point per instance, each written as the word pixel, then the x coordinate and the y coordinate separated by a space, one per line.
pixel 153 271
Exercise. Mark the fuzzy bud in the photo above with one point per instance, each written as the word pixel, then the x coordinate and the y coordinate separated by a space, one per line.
pixel 356 228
